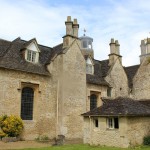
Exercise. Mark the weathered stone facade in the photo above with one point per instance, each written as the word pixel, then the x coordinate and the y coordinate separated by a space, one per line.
pixel 117 79
pixel 130 132
pixel 62 89
pixel 141 84
pixel 44 104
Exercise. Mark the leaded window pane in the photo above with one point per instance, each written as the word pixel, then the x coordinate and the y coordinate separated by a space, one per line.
pixel 27 103
pixel 93 101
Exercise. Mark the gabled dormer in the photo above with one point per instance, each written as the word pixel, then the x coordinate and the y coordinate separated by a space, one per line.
pixel 31 51
pixel 89 65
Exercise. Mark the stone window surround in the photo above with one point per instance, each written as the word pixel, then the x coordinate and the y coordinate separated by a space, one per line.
pixel 36 87
pixel 111 124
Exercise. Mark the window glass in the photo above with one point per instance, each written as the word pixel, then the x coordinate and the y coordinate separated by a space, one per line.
pixel 109 91
pixel 113 123
pixel 93 101
pixel 27 103
pixel 96 123
pixel 31 56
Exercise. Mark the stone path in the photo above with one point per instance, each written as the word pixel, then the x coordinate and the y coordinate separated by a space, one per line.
pixel 23 144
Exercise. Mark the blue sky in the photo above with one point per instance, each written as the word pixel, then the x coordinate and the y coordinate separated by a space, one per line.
pixel 125 20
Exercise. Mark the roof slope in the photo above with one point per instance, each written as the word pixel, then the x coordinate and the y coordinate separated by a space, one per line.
pixel 99 72
pixel 131 71
pixel 12 57
pixel 120 107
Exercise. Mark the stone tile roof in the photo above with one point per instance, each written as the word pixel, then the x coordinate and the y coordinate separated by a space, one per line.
pixel 12 58
pixel 145 102
pixel 98 76
pixel 131 71
pixel 120 107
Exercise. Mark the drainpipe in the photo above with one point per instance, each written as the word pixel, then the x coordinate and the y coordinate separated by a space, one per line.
pixel 57 109
pixel 90 129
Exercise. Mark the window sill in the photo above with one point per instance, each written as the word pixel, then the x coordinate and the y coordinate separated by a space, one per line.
pixel 28 121
pixel 112 129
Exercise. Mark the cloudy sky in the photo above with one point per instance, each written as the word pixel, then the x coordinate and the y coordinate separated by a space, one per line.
pixel 125 20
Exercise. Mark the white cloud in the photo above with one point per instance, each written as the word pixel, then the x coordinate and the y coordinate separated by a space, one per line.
pixel 126 21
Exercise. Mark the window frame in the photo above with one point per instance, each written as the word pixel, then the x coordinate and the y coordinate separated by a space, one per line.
pixel 31 56
pixel 27 102
pixel 112 123
pixel 93 101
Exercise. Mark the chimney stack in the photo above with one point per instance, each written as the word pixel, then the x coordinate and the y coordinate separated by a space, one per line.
pixel 72 28
pixel 145 49
pixel 75 28
pixel 114 51
pixel 69 23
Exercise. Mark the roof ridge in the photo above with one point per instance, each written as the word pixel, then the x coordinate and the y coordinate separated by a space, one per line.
pixel 38 44
pixel 5 40
pixel 131 66
pixel 57 45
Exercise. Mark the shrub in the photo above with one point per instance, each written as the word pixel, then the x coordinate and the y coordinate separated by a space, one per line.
pixel 146 140
pixel 11 126
pixel 42 138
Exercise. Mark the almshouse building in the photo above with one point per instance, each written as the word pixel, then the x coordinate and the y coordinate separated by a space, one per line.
pixel 50 87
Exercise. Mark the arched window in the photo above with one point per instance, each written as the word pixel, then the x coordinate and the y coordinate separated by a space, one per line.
pixel 27 103
pixel 93 101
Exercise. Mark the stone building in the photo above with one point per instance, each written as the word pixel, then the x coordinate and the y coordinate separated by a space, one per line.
pixel 50 87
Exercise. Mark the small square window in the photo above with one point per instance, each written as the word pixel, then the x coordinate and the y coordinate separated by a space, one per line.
pixel 109 92
pixel 31 56
pixel 96 123
pixel 113 123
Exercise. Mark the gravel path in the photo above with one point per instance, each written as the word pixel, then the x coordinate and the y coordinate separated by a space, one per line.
pixel 23 144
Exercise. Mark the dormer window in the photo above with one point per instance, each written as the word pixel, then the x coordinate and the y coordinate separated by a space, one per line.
pixel 31 56
pixel 32 51
pixel 89 66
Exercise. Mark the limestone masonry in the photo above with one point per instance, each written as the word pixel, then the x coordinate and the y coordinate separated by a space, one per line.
pixel 63 90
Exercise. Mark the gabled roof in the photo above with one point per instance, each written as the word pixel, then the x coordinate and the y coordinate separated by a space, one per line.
pixel 97 78
pixel 120 107
pixel 131 71
pixel 12 57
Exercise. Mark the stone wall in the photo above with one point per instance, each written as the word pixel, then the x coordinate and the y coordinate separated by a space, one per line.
pixel 118 80
pixel 99 90
pixel 138 127
pixel 44 105
pixel 71 91
pixel 141 84
pixel 130 133
pixel 104 136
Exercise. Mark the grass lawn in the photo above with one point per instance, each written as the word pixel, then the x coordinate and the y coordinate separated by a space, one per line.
pixel 86 147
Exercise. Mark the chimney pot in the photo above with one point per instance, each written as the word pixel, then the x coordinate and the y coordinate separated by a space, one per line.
pixel 75 21
pixel 68 18
pixel 112 40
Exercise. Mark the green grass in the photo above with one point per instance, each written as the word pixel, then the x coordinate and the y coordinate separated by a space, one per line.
pixel 86 147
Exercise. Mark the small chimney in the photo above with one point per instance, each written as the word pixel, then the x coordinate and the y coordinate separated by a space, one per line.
pixel 112 46
pixel 148 45
pixel 75 28
pixel 143 47
pixel 114 52
pixel 69 23
pixel 117 47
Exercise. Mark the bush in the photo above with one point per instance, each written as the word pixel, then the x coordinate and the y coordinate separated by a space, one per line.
pixel 146 140
pixel 42 138
pixel 11 126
